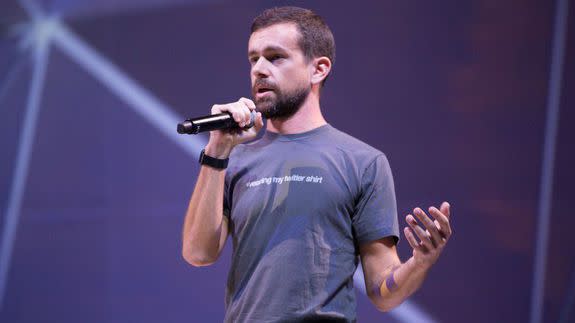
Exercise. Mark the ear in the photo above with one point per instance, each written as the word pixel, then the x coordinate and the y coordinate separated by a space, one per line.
pixel 320 69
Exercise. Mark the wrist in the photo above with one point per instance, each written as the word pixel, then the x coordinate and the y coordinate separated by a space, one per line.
pixel 414 265
pixel 217 151
pixel 216 163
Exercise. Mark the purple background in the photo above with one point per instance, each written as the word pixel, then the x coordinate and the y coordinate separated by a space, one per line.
pixel 454 92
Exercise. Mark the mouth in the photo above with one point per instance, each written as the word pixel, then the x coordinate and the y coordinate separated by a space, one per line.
pixel 264 90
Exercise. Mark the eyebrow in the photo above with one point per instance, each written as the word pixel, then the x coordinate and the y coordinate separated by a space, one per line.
pixel 267 50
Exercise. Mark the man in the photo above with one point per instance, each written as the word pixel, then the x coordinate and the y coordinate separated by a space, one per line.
pixel 304 201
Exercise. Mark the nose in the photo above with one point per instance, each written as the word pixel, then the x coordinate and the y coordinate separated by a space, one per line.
pixel 260 68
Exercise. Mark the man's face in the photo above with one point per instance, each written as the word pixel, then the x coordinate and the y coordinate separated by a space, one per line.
pixel 280 73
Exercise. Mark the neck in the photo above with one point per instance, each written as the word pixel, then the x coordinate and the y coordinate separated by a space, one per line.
pixel 307 118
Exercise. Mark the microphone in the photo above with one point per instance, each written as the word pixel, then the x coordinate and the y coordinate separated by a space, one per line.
pixel 218 121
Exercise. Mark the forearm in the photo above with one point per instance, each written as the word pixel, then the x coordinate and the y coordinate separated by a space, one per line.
pixel 203 224
pixel 205 227
pixel 397 284
pixel 388 281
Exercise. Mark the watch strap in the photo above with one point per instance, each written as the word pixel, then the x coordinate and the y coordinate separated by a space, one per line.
pixel 212 161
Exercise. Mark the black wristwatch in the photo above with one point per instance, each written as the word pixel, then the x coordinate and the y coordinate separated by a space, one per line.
pixel 213 162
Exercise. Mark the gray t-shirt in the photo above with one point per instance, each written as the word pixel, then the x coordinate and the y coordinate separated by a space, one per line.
pixel 298 207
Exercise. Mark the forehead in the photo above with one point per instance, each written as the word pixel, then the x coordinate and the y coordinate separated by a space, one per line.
pixel 284 35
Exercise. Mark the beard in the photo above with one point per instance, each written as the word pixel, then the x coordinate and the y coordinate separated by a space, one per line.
pixel 283 105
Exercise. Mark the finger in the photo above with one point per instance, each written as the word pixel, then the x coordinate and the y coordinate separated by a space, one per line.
pixel 439 229
pixel 411 238
pixel 429 225
pixel 443 221
pixel 259 123
pixel 421 234
pixel 250 104
pixel 216 108
pixel 247 111
pixel 227 108
pixel 446 209
pixel 251 116
pixel 240 112
pixel 237 112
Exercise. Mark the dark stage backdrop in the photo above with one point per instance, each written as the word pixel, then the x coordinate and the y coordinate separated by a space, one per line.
pixel 94 181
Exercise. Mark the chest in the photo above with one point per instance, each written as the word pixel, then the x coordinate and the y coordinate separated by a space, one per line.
pixel 318 188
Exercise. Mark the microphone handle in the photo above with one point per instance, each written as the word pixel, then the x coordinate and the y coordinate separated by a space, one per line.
pixel 209 123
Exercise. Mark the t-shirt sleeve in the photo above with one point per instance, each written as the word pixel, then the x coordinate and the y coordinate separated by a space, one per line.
pixel 227 197
pixel 375 214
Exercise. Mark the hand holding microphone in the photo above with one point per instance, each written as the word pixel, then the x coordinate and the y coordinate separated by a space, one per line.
pixel 229 125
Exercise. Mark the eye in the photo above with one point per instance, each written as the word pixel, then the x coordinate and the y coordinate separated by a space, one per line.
pixel 275 57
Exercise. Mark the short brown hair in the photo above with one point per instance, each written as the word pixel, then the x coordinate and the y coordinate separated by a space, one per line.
pixel 315 39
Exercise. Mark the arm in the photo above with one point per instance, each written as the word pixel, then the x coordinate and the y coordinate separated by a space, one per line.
pixel 388 281
pixel 205 228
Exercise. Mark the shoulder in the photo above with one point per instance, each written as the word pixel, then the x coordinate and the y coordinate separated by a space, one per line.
pixel 355 147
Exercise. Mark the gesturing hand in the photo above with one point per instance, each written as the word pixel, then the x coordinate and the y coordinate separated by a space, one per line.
pixel 433 239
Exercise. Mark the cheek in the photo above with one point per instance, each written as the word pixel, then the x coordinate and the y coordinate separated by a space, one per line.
pixel 296 79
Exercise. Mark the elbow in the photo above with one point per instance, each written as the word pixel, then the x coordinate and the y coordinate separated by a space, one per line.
pixel 383 305
pixel 198 259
